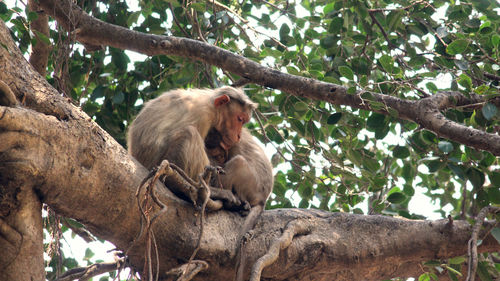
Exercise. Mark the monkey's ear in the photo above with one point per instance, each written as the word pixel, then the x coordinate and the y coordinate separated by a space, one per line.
pixel 222 100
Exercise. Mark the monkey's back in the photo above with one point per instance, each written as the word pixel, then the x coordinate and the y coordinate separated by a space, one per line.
pixel 153 127
pixel 259 165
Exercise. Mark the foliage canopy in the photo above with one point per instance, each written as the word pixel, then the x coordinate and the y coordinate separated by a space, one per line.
pixel 331 157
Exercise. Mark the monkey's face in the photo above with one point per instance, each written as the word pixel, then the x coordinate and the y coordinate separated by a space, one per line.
pixel 232 117
pixel 231 126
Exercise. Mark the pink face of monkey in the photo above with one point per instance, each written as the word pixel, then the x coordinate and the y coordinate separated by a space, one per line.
pixel 233 117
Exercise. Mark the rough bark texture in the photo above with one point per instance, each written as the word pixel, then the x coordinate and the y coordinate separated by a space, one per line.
pixel 40 53
pixel 52 149
pixel 21 238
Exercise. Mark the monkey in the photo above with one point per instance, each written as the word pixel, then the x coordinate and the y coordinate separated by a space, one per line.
pixel 197 127
pixel 249 173
pixel 246 165
pixel 216 153
pixel 174 126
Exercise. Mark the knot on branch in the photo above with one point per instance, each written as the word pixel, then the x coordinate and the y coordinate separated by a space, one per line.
pixel 165 44
pixel 7 97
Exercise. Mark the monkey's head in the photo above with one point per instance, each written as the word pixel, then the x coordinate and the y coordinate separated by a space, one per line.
pixel 233 110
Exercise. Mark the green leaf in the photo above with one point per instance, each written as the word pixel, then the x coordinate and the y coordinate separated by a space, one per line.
pixel 476 177
pixel 284 30
pixel 88 254
pixel 334 118
pixel 458 170
pixel 42 37
pixel 396 197
pixel 489 110
pixel 486 28
pixel 329 8
pixel 376 120
pixel 494 178
pixel 400 152
pixel 346 72
pixel 300 106
pixel 133 18
pixel 118 98
pixel 424 277
pixel 431 87
pixel 457 47
pixel 386 62
pixel 496 233
pixel 495 40
pixel 465 81
pixel 494 194
pixel 417 61
pixel 445 146
pixel 456 260
pixel 328 42
pixel 70 263
pixel 335 25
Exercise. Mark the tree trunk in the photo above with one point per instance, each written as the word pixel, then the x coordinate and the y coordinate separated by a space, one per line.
pixel 21 238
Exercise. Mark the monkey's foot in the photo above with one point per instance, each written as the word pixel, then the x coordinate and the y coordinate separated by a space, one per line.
pixel 229 200
pixel 245 210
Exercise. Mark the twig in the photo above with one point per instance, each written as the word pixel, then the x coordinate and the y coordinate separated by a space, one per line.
pixel 194 268
pixel 202 221
pixel 381 30
pixel 491 76
pixel 85 273
pixel 220 5
pixel 149 182
pixel 472 245
pixel 293 228
pixel 177 22
pixel 80 231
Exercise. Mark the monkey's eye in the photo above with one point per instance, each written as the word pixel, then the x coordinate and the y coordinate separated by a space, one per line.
pixel 240 119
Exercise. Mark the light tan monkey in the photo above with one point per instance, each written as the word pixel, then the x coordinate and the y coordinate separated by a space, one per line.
pixel 175 127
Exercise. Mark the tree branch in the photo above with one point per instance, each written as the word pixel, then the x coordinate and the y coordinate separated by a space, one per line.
pixel 92 31
pixel 40 53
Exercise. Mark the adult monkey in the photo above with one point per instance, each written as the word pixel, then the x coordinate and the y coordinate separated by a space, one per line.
pixel 175 126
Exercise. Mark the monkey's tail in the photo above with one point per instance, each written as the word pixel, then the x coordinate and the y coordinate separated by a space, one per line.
pixel 248 225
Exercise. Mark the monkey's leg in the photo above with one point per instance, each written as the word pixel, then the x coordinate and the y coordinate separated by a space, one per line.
pixel 242 180
pixel 185 149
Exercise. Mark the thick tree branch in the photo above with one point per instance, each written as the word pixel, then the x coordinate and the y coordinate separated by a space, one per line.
pixel 92 31
pixel 40 52
pixel 82 175
pixel 101 194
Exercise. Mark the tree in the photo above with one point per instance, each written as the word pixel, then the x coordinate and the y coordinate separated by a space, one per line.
pixel 345 80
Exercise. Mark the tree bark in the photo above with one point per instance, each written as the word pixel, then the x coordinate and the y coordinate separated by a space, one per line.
pixel 40 54
pixel 52 149
pixel 21 238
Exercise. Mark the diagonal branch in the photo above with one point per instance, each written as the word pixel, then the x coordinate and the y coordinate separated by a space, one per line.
pixel 91 31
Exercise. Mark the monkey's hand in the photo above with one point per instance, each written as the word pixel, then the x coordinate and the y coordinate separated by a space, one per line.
pixel 208 175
